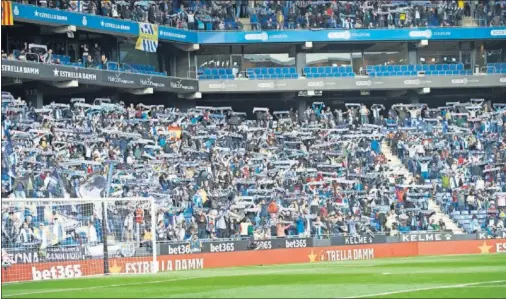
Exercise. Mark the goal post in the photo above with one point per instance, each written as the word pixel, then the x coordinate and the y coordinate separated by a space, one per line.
pixel 46 239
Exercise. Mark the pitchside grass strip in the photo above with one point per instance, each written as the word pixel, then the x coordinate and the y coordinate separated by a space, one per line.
pixel 430 277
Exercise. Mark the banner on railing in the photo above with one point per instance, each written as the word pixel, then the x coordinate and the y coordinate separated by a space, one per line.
pixel 148 37
pixel 485 236
pixel 427 237
pixel 358 239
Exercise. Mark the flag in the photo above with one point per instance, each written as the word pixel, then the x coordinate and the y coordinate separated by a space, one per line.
pixel 7 16
pixel 148 37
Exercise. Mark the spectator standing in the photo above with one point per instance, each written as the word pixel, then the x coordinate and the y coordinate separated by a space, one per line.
pixel 96 52
pixel 103 62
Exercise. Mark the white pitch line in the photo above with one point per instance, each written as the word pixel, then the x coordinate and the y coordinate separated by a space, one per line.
pixel 428 289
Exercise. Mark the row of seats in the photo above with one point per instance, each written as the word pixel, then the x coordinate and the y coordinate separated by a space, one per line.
pixel 330 75
pixel 136 68
pixel 328 70
pixel 417 67
pixel 216 77
pixel 272 70
pixel 496 68
pixel 273 76
pixel 427 73
pixel 215 71
pixel 498 65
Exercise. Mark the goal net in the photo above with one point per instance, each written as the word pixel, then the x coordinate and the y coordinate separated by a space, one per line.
pixel 45 239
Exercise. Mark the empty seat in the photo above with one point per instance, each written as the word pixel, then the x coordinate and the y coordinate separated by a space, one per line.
pixel 349 69
pixel 307 70
pixel 397 68
pixel 314 70
pixel 452 67
pixel 328 70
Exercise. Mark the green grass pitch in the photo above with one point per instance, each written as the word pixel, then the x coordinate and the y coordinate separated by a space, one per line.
pixel 464 276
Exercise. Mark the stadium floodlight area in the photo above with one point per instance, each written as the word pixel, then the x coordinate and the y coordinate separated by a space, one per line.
pixel 46 239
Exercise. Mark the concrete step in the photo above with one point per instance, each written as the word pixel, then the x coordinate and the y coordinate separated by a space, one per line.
pixel 399 168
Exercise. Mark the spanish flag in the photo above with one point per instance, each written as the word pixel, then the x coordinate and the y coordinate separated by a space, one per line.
pixel 7 16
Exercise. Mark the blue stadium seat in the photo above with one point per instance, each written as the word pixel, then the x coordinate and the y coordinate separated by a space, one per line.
pixel 260 76
pixel 342 69
pixel 349 69
pixel 286 70
pixel 277 70
pixel 307 70
pixel 372 74
pixel 351 74
pixel 216 77
pixel 293 71
pixel 214 72
pixel 335 69
pixel 314 70
pixel 455 72
pixel 295 76
pixel 490 70
pixel 432 67
pixel 390 68
pixel 270 71
pixel 439 67
pixel 328 70
pixel 446 67
pixel 419 68
pixel 377 68
pixel 397 68
pixel 383 68
pixel 337 75
pixel 263 71
pixel 441 73
pixel 228 71
pixel 405 68
pixel 321 69
pixel 460 66
pixel 328 75
pixel 230 77
pixel 452 67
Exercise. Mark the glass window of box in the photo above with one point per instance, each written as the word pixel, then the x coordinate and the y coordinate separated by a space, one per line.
pixel 328 59
pixel 268 60
pixel 386 54
pixel 439 53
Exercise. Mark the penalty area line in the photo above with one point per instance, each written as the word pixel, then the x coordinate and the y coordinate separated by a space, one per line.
pixel 463 285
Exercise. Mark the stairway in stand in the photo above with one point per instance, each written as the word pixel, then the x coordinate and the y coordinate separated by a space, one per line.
pixel 398 168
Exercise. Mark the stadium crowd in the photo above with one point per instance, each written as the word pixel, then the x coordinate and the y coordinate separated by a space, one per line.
pixel 272 15
pixel 216 174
